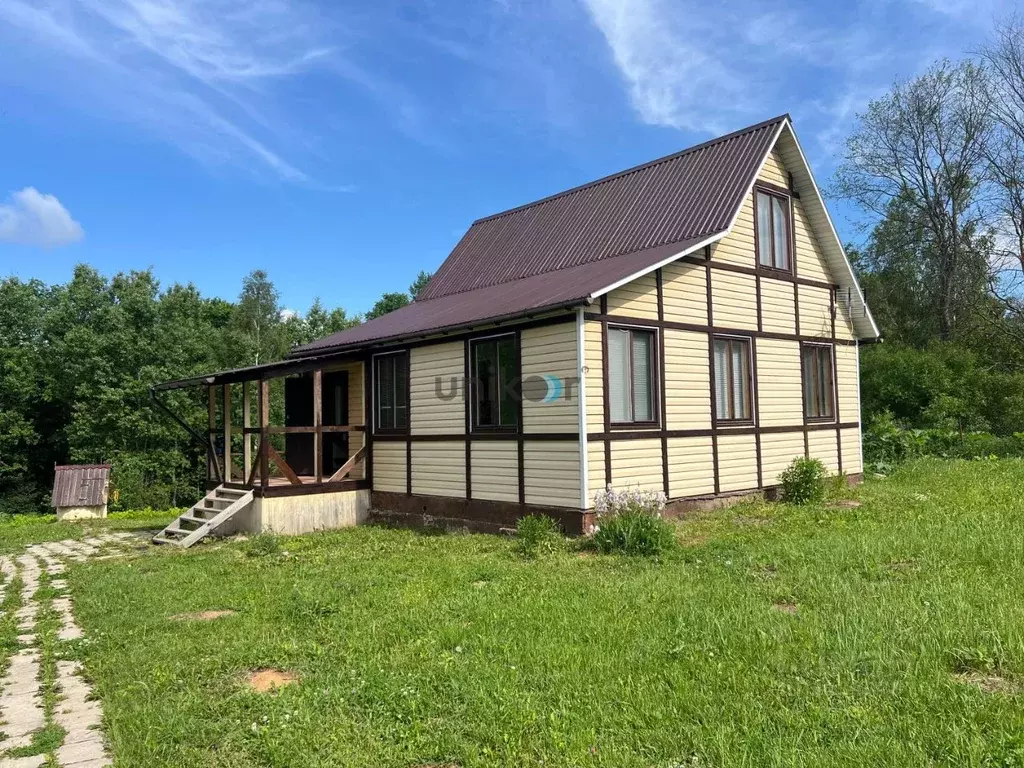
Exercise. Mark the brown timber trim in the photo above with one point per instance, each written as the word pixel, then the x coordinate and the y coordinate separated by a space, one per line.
pixel 803 403
pixel 711 373
pixel 226 405
pixel 796 310
pixel 311 430
pixel 717 330
pixel 774 274
pixel 264 417
pixel 458 437
pixel 520 445
pixel 368 419
pixel 781 191
pixel 720 430
pixel 662 382
pixel 310 488
pixel 282 465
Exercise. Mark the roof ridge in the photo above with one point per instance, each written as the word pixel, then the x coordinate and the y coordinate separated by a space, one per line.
pixel 635 168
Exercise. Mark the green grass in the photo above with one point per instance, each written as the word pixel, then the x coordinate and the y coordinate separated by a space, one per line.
pixel 18 531
pixel 420 650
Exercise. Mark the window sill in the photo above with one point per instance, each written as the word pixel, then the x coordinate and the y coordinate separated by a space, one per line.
pixel 727 423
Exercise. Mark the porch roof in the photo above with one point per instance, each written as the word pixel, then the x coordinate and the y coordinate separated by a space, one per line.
pixel 252 372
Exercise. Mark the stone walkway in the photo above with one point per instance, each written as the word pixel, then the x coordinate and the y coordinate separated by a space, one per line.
pixel 23 711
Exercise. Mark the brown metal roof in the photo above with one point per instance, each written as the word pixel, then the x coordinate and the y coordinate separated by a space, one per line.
pixel 550 291
pixel 80 485
pixel 558 251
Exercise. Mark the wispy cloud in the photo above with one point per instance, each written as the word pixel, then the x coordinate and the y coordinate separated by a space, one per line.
pixel 198 73
pixel 32 218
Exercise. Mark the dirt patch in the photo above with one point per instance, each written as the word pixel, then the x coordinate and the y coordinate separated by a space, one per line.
pixel 844 504
pixel 785 606
pixel 988 682
pixel 202 615
pixel 269 680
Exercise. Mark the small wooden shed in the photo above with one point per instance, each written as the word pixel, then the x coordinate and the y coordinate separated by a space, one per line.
pixel 80 491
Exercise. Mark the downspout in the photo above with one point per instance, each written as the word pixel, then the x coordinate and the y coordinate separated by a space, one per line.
pixel 581 387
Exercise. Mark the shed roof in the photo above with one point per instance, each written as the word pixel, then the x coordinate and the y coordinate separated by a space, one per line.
pixel 80 485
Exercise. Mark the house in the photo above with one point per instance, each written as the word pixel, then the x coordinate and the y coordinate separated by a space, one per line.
pixel 80 491
pixel 689 325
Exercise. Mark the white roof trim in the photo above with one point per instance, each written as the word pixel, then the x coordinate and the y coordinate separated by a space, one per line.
pixel 647 270
pixel 833 247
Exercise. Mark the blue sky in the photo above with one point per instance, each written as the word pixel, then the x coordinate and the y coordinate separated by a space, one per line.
pixel 345 146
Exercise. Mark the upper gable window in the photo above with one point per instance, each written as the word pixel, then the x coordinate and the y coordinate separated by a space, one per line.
pixel 773 231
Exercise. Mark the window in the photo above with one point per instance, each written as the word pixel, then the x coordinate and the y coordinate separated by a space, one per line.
pixel 631 375
pixel 773 240
pixel 733 396
pixel 819 397
pixel 391 375
pixel 495 381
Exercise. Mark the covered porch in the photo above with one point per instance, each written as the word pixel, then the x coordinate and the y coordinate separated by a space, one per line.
pixel 283 429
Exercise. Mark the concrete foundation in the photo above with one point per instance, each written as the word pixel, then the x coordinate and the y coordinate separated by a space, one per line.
pixel 293 515
pixel 81 513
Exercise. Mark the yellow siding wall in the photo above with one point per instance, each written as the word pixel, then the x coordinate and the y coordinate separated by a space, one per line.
pixel 595 469
pixel 495 470
pixel 355 390
pixel 594 376
pixel 815 311
pixel 637 463
pixel 430 415
pixel 733 300
pixel 847 375
pixel 774 171
pixel 389 467
pixel 851 451
pixel 738 246
pixel 551 473
pixel 778 306
pixel 777 451
pixel 636 299
pixel 737 462
pixel 439 469
pixel 779 390
pixel 810 261
pixel 684 286
pixel 688 391
pixel 550 350
pixel 821 445
pixel 691 469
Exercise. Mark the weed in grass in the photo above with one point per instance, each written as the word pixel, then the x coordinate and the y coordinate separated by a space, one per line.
pixel 263 545
pixel 803 481
pixel 635 533
pixel 538 535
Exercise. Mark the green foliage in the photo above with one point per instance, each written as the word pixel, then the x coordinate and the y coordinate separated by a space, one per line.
pixel 263 545
pixel 389 302
pixel 419 283
pixel 538 535
pixel 634 533
pixel 803 481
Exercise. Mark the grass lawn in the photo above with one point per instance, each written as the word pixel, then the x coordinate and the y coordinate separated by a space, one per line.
pixel 889 634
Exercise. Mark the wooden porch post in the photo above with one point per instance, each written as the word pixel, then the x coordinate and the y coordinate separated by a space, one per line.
pixel 264 433
pixel 318 435
pixel 246 436
pixel 211 470
pixel 227 432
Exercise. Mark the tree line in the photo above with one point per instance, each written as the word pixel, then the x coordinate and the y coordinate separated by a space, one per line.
pixel 936 166
pixel 77 361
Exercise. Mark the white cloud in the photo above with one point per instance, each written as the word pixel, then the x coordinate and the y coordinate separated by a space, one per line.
pixel 32 218
pixel 201 74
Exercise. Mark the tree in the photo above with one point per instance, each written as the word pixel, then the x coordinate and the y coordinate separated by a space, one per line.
pixel 925 145
pixel 419 284
pixel 389 302
pixel 256 332
pixel 318 323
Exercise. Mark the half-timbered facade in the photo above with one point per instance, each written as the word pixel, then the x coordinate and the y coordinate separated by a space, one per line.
pixel 689 326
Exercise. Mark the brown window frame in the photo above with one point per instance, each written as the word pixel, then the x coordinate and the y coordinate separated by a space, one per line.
pixel 655 363
pixel 787 209
pixel 826 396
pixel 747 342
pixel 474 384
pixel 390 357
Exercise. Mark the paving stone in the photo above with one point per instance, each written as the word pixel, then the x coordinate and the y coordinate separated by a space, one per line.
pixel 59 584
pixel 23 762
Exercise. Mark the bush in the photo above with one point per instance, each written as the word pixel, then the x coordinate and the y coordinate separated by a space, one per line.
pixel 803 481
pixel 538 535
pixel 263 545
pixel 630 523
